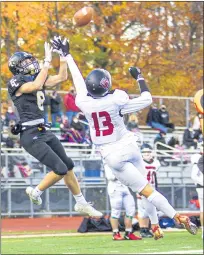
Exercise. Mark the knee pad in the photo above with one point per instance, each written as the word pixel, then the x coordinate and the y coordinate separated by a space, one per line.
pixel 60 168
pixel 115 213
pixel 69 163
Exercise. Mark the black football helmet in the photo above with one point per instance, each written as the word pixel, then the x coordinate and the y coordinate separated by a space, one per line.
pixel 23 63
pixel 98 83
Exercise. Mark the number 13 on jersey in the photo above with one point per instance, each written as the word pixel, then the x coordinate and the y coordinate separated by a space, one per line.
pixel 105 127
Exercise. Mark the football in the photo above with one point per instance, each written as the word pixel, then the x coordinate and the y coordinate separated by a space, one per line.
pixel 83 16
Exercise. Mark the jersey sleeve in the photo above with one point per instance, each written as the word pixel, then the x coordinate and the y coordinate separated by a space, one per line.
pixel 137 104
pixel 120 97
pixel 78 80
pixel 16 82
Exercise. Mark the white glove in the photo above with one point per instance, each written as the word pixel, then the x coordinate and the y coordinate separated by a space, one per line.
pixel 48 54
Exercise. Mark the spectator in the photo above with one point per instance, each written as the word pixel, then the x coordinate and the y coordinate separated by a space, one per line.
pixel 46 105
pixel 55 104
pixel 69 102
pixel 10 115
pixel 164 118
pixel 161 138
pixel 189 139
pixel 153 119
pixel 196 126
pixel 132 124
pixel 174 141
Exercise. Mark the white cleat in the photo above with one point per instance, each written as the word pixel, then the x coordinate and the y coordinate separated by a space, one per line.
pixel 81 208
pixel 34 199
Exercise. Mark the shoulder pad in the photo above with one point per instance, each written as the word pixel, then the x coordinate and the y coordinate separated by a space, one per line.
pixel 16 82
pixel 120 97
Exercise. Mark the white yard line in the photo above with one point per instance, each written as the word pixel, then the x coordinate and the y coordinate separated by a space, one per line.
pixel 73 234
pixel 174 252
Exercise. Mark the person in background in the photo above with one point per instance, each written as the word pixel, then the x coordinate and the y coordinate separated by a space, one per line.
pixel 153 119
pixel 69 102
pixel 151 166
pixel 46 105
pixel 120 197
pixel 10 115
pixel 196 126
pixel 132 124
pixel 55 104
pixel 164 118
pixel 197 177
pixel 189 139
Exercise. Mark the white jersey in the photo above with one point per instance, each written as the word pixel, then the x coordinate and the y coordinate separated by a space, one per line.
pixel 151 169
pixel 104 114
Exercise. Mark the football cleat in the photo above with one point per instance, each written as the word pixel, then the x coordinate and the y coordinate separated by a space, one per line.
pixel 131 236
pixel 36 200
pixel 87 208
pixel 157 232
pixel 145 233
pixel 117 236
pixel 187 224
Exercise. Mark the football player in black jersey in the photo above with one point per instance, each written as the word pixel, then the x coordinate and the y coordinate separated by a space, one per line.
pixel 26 89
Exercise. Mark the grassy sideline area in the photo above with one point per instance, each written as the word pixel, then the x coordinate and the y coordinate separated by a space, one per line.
pixel 103 244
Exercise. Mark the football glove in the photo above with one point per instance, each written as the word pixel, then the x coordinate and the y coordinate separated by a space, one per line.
pixel 59 46
pixel 48 53
pixel 135 72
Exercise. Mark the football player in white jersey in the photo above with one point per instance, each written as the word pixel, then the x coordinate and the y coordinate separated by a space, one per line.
pixel 197 177
pixel 147 210
pixel 103 109
pixel 120 197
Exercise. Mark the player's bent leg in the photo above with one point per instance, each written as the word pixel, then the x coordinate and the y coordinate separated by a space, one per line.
pixel 162 204
pixel 151 211
pixel 81 205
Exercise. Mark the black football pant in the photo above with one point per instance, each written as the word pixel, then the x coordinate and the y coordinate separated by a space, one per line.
pixel 46 147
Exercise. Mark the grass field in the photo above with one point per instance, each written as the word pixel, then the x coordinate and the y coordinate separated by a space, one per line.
pixel 101 243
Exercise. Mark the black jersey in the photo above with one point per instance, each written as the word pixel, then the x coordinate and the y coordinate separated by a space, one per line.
pixel 30 105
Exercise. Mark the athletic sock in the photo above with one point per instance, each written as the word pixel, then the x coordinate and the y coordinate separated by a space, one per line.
pixel 128 230
pixel 162 204
pixel 80 199
pixel 37 192
pixel 115 230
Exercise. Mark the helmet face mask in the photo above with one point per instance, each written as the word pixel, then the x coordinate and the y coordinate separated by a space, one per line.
pixel 23 63
pixel 98 83
pixel 147 155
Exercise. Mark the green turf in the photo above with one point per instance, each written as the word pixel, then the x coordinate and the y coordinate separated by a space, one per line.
pixel 103 244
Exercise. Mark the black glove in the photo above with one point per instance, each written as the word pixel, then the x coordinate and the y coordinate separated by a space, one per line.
pixel 60 46
pixel 135 72
pixel 16 129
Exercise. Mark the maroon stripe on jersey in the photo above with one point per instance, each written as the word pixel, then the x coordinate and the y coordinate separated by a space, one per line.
pixel 150 167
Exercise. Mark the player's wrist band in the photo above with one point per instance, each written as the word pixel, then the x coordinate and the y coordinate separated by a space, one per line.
pixel 46 63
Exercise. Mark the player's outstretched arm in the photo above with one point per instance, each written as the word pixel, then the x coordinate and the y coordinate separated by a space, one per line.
pixel 53 80
pixel 38 83
pixel 145 98
pixel 63 47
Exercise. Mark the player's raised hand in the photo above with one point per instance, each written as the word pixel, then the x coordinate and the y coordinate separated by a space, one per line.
pixel 48 52
pixel 135 72
pixel 60 46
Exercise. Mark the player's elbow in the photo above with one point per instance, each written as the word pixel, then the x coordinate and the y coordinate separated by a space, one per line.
pixel 148 98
